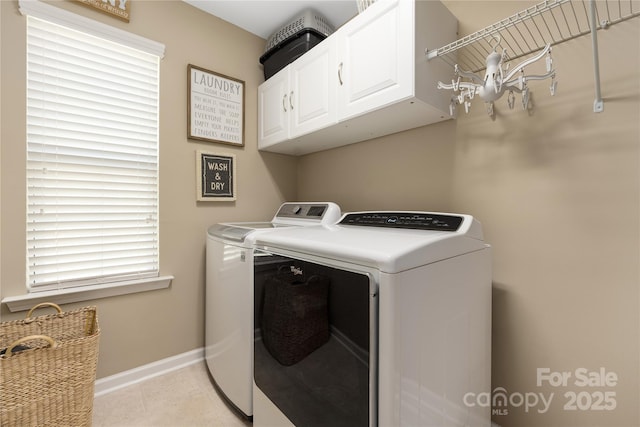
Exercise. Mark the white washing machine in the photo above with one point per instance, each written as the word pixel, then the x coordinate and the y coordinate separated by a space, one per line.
pixel 406 300
pixel 229 295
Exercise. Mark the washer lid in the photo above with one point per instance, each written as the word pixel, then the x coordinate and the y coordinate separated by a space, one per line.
pixel 238 231
pixel 388 249
pixel 289 214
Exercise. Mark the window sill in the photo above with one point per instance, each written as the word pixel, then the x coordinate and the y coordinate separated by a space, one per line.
pixel 86 293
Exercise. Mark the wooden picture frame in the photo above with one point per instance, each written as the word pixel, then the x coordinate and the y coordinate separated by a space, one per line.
pixel 215 108
pixel 120 9
pixel 215 177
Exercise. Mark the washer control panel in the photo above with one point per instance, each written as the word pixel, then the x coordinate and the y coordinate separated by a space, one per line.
pixel 302 210
pixel 412 220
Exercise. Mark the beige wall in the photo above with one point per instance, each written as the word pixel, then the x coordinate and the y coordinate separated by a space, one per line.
pixel 145 327
pixel 408 170
pixel 0 155
pixel 558 192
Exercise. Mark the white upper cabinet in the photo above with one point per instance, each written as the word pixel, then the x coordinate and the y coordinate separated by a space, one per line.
pixel 299 98
pixel 368 79
pixel 313 89
pixel 273 109
pixel 376 59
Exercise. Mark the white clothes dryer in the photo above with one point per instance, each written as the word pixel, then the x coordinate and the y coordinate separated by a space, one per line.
pixel 406 300
pixel 229 295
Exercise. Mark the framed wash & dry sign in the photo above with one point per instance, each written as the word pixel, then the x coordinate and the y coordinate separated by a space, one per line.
pixel 215 107
pixel 216 177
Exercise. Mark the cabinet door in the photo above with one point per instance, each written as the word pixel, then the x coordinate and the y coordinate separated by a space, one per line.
pixel 313 89
pixel 274 104
pixel 376 58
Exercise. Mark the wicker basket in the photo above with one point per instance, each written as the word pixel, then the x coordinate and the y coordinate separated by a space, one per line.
pixel 295 319
pixel 48 369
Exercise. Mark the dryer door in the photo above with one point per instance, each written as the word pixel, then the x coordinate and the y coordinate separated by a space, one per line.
pixel 228 324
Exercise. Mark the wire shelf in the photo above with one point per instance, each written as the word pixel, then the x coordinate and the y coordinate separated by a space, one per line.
pixel 549 22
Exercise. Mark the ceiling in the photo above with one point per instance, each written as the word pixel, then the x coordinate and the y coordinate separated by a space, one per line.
pixel 264 17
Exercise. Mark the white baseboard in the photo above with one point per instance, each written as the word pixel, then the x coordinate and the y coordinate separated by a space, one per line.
pixel 142 373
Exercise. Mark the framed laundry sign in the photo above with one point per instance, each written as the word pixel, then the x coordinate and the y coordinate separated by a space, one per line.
pixel 215 107
pixel 216 177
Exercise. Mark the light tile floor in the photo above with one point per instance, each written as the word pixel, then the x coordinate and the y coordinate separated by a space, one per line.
pixel 183 398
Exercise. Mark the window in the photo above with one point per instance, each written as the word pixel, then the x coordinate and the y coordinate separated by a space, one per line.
pixel 92 158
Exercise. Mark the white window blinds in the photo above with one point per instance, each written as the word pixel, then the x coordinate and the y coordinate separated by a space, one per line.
pixel 92 159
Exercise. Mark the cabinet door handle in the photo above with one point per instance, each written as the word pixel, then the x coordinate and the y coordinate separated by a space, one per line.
pixel 284 102
pixel 291 100
pixel 340 73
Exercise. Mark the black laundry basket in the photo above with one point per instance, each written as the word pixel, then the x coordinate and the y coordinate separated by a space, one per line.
pixel 295 318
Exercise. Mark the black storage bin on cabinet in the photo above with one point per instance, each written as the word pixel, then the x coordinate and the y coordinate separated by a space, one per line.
pixel 293 39
pixel 281 56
